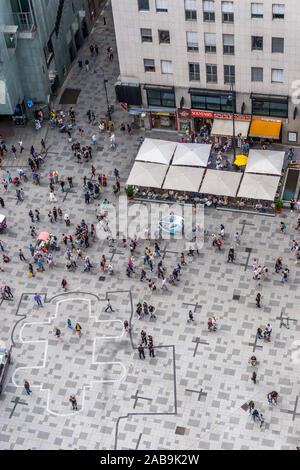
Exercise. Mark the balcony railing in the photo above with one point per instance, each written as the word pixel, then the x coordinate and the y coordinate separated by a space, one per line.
pixel 25 21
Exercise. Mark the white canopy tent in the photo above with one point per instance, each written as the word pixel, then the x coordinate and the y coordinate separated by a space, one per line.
pixel 259 187
pixel 184 178
pixel 147 175
pixel 192 154
pixel 221 183
pixel 266 162
pixel 224 127
pixel 156 151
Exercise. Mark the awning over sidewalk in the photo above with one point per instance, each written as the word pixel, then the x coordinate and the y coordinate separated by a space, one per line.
pixel 265 129
pixel 221 183
pixel 224 127
pixel 266 162
pixel 184 178
pixel 263 187
pixel 192 155
pixel 147 175
pixel 156 151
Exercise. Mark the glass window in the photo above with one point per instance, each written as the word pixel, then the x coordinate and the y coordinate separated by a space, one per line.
pixel 257 74
pixel 279 109
pixel 211 73
pixel 168 99
pixel 228 43
pixel 190 9
pixel 192 41
pixel 153 97
pixel 161 98
pixel 226 104
pixel 278 11
pixel 257 43
pixel 208 10
pixel 227 12
pixel 146 35
pixel 257 10
pixel 143 5
pixel 162 5
pixel 229 74
pixel 164 37
pixel 210 42
pixel 198 102
pixel 166 66
pixel 277 75
pixel 269 108
pixel 194 71
pixel 149 65
pixel 278 45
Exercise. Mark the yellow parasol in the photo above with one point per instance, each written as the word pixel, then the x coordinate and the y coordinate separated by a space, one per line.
pixel 241 160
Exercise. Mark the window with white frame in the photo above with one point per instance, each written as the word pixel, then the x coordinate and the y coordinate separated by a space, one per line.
pixel 277 75
pixel 164 36
pixel 257 10
pixel 210 42
pixel 278 11
pixel 227 12
pixel 211 73
pixel 149 65
pixel 229 74
pixel 209 10
pixel 194 71
pixel 228 43
pixel 146 35
pixel 192 41
pixel 166 66
pixel 257 74
pixel 190 9
pixel 278 45
pixel 162 5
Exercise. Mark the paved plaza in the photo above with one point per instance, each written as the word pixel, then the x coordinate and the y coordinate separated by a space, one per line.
pixel 192 394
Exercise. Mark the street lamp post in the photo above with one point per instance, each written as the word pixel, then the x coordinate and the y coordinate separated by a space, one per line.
pixel 233 119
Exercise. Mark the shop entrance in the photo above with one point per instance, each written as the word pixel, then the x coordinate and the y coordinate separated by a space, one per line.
pixel 199 122
pixel 163 121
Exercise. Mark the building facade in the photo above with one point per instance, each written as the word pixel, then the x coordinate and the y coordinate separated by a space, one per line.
pixel 188 61
pixel 39 39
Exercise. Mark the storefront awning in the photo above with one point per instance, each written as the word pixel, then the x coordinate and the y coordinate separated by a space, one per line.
pixel 156 151
pixel 224 127
pixel 265 129
pixel 262 187
pixel 221 183
pixel 266 162
pixel 192 155
pixel 183 178
pixel 147 175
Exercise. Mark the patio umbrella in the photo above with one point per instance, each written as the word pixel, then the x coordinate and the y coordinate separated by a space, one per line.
pixel 43 236
pixel 241 160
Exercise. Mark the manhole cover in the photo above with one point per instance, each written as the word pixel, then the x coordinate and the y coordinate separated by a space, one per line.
pixel 102 278
pixel 245 407
pixel 236 297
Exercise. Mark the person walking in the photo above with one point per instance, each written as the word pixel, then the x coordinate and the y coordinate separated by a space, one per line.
pixel 258 300
pixel 69 324
pixel 144 337
pixel 21 255
pixel 255 415
pixel 254 378
pixel 38 300
pixel 237 238
pixel 262 420
pixel 108 306
pixel 73 402
pixel 151 350
pixel 141 352
pixel 58 334
pixel 27 387
pixel 251 407
pixel 191 317
pixel 78 329
pixel 282 227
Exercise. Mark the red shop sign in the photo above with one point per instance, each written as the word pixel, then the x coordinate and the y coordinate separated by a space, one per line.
pixel 184 113
pixel 205 114
pixel 237 117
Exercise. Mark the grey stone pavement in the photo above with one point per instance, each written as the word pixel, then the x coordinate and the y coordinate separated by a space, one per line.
pixel 126 403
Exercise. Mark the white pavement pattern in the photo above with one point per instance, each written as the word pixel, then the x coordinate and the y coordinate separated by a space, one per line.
pixel 198 381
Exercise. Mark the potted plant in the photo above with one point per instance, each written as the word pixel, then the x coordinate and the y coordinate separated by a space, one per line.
pixel 129 192
pixel 278 206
